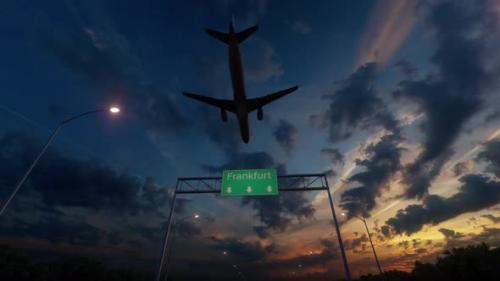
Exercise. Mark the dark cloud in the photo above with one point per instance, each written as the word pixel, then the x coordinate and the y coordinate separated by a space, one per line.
pixel 285 134
pixel 356 104
pixel 328 253
pixel 186 228
pixel 495 115
pixel 490 236
pixel 382 162
pixel 385 230
pixel 449 98
pixel 55 230
pixel 103 58
pixel 492 218
pixel 406 68
pixel 491 155
pixel 477 192
pixel 357 244
pixel 264 64
pixel 276 213
pixel 333 155
pixel 460 168
pixel 239 250
pixel 450 234
pixel 247 160
pixel 69 182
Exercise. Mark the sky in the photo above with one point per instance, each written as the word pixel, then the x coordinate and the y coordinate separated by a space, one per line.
pixel 398 105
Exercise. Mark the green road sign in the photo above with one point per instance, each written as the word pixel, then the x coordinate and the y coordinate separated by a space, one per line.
pixel 249 182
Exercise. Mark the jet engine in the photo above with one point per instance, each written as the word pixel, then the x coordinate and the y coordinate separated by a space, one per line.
pixel 223 115
pixel 260 114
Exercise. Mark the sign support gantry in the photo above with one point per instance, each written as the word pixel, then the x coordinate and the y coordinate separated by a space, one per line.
pixel 286 183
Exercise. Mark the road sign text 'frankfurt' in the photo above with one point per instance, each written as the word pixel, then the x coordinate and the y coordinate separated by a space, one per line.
pixel 249 182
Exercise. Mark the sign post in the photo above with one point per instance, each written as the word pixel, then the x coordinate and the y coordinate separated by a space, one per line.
pixel 249 182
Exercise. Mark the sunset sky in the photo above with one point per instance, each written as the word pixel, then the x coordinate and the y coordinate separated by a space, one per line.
pixel 399 105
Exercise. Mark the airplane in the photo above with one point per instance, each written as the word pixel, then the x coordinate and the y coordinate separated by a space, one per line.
pixel 240 105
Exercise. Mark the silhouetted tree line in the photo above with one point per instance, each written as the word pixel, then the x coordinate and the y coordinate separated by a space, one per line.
pixel 470 263
pixel 15 266
pixel 475 262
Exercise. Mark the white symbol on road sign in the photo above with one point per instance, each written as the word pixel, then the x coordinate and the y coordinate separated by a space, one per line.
pixel 229 189
pixel 249 189
pixel 269 188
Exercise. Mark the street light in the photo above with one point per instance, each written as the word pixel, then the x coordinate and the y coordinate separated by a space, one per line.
pixel 373 248
pixel 112 110
pixel 167 266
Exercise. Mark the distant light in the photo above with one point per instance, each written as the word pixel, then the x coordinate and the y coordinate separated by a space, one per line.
pixel 114 109
pixel 224 253
pixel 343 214
pixel 196 216
pixel 310 252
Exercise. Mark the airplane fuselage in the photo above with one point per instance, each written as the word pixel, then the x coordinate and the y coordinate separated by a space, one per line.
pixel 239 105
pixel 238 83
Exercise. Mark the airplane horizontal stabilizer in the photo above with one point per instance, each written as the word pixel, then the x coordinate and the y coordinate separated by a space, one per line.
pixel 256 103
pixel 242 35
pixel 223 37
pixel 220 103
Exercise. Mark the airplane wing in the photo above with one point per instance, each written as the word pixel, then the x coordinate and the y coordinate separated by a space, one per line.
pixel 253 104
pixel 220 103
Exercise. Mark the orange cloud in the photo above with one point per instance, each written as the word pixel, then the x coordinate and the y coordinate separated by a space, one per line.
pixel 389 25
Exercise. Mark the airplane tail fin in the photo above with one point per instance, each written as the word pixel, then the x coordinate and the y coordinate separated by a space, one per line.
pixel 240 36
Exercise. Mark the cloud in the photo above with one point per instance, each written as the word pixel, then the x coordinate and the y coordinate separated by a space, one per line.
pixel 276 213
pixel 333 155
pixel 491 155
pixel 406 68
pixel 490 236
pixel 356 104
pixel 477 192
pixel 55 229
pixel 263 64
pixel 460 168
pixel 242 251
pixel 328 252
pixel 450 234
pixel 451 96
pixel 387 28
pixel 68 182
pixel 103 58
pixel 286 135
pixel 300 26
pixel 356 244
pixel 185 228
pixel 247 160
pixel 492 218
pixel 382 162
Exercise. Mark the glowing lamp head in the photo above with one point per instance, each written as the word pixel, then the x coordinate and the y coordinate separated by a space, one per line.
pixel 196 216
pixel 343 214
pixel 114 109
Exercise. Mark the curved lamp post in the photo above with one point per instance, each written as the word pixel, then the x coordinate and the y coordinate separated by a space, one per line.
pixel 112 110
pixel 373 248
